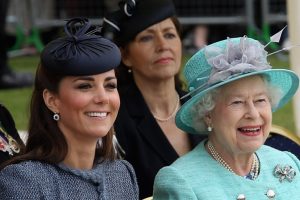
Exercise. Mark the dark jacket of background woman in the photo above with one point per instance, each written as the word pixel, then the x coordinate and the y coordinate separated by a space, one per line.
pixel 146 146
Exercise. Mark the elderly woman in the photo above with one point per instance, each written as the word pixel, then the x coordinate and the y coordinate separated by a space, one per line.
pixel 234 92
pixel 70 153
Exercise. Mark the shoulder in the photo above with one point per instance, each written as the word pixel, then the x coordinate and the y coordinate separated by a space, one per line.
pixel 170 183
pixel 26 170
pixel 187 166
pixel 271 152
pixel 273 156
pixel 23 180
pixel 192 159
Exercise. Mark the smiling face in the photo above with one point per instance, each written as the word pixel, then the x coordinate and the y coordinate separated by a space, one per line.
pixel 87 105
pixel 242 116
pixel 155 53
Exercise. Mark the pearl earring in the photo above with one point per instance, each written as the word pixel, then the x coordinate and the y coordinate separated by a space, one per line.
pixel 56 116
pixel 129 71
pixel 209 128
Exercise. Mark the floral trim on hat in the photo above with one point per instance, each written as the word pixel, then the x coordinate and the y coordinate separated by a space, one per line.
pixel 235 59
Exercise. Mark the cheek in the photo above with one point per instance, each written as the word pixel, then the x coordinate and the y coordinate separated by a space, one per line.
pixel 140 55
pixel 179 48
pixel 73 104
pixel 115 101
pixel 225 118
pixel 267 116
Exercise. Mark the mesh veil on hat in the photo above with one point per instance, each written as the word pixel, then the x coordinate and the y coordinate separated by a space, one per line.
pixel 80 52
pixel 223 62
pixel 135 16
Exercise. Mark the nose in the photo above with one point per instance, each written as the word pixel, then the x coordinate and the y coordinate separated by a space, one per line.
pixel 101 96
pixel 251 111
pixel 161 42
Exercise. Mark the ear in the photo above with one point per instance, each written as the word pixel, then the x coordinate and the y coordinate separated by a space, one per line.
pixel 207 119
pixel 50 100
pixel 125 58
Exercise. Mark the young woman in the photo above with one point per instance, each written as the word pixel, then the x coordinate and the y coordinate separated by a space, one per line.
pixel 70 152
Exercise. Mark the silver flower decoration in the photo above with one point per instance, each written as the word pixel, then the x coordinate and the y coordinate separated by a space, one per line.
pixel 285 172
pixel 237 58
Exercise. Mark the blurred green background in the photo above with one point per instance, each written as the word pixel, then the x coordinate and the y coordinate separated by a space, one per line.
pixel 17 100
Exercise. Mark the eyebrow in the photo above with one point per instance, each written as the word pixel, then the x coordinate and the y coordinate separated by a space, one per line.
pixel 90 78
pixel 164 29
pixel 240 95
pixel 84 78
pixel 110 78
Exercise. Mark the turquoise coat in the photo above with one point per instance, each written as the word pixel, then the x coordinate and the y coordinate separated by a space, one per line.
pixel 198 176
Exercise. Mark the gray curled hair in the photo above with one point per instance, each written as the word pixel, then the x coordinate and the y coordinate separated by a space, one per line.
pixel 208 101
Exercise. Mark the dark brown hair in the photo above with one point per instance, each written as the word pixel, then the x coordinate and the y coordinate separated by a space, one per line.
pixel 125 78
pixel 46 142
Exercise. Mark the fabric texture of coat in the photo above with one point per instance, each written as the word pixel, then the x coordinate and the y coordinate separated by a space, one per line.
pixel 37 180
pixel 197 176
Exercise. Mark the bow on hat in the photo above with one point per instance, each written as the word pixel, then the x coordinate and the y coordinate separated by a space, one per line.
pixel 135 16
pixel 80 52
pixel 127 9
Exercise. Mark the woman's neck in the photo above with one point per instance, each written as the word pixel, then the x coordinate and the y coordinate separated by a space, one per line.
pixel 240 164
pixel 161 97
pixel 80 156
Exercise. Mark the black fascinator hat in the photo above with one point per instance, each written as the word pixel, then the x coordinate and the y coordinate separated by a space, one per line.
pixel 81 52
pixel 134 16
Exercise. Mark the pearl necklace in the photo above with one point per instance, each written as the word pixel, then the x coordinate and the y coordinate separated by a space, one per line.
pixel 254 167
pixel 171 115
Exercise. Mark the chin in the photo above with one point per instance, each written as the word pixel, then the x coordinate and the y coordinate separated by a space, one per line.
pixel 99 133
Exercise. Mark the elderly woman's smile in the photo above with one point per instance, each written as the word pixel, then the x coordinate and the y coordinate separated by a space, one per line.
pixel 250 131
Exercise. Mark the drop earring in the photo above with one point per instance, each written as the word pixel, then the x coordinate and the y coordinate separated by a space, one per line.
pixel 129 70
pixel 56 116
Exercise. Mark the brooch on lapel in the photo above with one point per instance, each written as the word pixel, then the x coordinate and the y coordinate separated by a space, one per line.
pixel 284 172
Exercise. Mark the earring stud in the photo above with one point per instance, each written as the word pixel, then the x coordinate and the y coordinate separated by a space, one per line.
pixel 56 116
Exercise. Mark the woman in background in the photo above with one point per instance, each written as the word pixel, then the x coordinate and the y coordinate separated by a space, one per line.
pixel 148 34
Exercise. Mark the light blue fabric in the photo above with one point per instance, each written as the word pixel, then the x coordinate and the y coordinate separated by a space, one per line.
pixel 36 180
pixel 198 176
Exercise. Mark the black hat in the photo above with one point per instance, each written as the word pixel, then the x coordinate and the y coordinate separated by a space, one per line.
pixel 135 16
pixel 80 52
